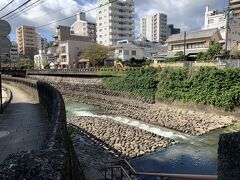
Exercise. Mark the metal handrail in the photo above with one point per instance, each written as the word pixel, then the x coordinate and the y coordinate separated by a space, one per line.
pixel 163 175
pixel 122 170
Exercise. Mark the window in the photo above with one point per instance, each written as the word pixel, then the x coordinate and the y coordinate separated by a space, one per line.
pixel 210 21
pixel 120 51
pixel 134 53
pixel 63 49
pixel 126 52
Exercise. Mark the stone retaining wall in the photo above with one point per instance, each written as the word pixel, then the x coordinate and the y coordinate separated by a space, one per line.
pixel 57 159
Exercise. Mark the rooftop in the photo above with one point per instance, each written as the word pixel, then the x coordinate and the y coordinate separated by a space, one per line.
pixel 193 35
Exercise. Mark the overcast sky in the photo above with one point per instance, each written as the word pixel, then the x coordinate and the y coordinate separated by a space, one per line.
pixel 185 14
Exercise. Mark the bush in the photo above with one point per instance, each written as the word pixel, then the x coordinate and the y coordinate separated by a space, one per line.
pixel 138 81
pixel 209 86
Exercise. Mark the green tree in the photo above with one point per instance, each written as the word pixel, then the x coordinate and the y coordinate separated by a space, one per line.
pixel 211 53
pixel 96 54
pixel 179 56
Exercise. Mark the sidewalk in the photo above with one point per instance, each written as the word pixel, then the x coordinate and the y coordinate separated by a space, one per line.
pixel 23 125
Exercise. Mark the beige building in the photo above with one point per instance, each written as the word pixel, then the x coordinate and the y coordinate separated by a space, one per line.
pixel 84 28
pixel 196 42
pixel 27 41
pixel 69 47
pixel 70 52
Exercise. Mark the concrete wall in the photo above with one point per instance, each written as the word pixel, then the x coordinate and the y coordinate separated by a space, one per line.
pixel 56 160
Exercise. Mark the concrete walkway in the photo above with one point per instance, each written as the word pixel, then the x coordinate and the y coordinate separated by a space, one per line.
pixel 23 125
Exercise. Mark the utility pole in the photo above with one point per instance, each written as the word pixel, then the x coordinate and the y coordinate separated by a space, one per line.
pixel 227 26
pixel 184 48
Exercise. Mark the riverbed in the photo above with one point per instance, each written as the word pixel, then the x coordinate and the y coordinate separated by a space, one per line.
pixel 192 154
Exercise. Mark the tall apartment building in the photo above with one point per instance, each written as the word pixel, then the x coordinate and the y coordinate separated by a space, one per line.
pixel 154 27
pixel 42 43
pixel 171 30
pixel 234 23
pixel 84 28
pixel 216 19
pixel 14 55
pixel 115 21
pixel 27 41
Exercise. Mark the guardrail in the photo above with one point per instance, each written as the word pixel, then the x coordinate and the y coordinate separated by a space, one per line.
pixel 128 171
pixel 57 158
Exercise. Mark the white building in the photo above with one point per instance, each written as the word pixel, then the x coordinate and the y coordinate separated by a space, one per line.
pixel 41 42
pixel 115 21
pixel 14 54
pixel 154 27
pixel 125 50
pixel 216 19
pixel 40 60
pixel 84 28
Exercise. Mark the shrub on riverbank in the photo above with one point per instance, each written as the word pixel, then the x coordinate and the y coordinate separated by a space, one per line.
pixel 138 81
pixel 209 86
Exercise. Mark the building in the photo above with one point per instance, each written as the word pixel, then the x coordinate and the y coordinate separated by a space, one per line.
pixel 27 41
pixel 171 30
pixel 69 53
pixel 42 43
pixel 40 60
pixel 84 28
pixel 234 24
pixel 125 50
pixel 154 27
pixel 115 21
pixel 69 47
pixel 196 42
pixel 216 19
pixel 14 55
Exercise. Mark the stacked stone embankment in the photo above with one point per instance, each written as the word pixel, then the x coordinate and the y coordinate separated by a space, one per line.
pixel 92 92
pixel 126 140
pixel 186 121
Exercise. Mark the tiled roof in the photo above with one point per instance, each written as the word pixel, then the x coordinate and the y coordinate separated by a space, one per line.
pixel 193 35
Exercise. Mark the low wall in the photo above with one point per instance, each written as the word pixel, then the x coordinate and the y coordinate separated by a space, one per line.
pixel 8 98
pixel 229 156
pixel 57 159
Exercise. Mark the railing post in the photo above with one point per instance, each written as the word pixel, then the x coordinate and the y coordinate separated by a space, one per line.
pixel 121 176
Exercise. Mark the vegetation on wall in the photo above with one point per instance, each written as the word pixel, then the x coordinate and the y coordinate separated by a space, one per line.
pixel 209 86
pixel 138 81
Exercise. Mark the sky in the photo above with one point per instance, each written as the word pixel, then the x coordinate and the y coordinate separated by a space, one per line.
pixel 185 14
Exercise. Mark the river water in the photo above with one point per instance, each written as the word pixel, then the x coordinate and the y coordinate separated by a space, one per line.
pixel 192 155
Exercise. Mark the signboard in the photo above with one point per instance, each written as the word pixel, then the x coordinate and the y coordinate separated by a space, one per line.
pixel 5 44
pixel 5 28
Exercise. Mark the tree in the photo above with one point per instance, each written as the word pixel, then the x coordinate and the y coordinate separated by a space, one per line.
pixel 179 56
pixel 211 53
pixel 96 54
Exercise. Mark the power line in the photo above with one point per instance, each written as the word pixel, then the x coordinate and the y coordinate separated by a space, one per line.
pixel 74 15
pixel 25 9
pixel 7 5
pixel 15 9
pixel 58 10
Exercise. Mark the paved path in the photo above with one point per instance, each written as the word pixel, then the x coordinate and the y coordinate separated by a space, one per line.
pixel 23 125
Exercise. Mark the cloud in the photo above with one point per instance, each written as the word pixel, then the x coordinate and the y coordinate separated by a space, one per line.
pixel 186 14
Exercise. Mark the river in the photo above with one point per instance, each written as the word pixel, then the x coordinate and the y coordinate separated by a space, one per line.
pixel 191 155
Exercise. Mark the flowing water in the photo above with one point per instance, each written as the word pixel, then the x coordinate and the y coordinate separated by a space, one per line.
pixel 192 155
